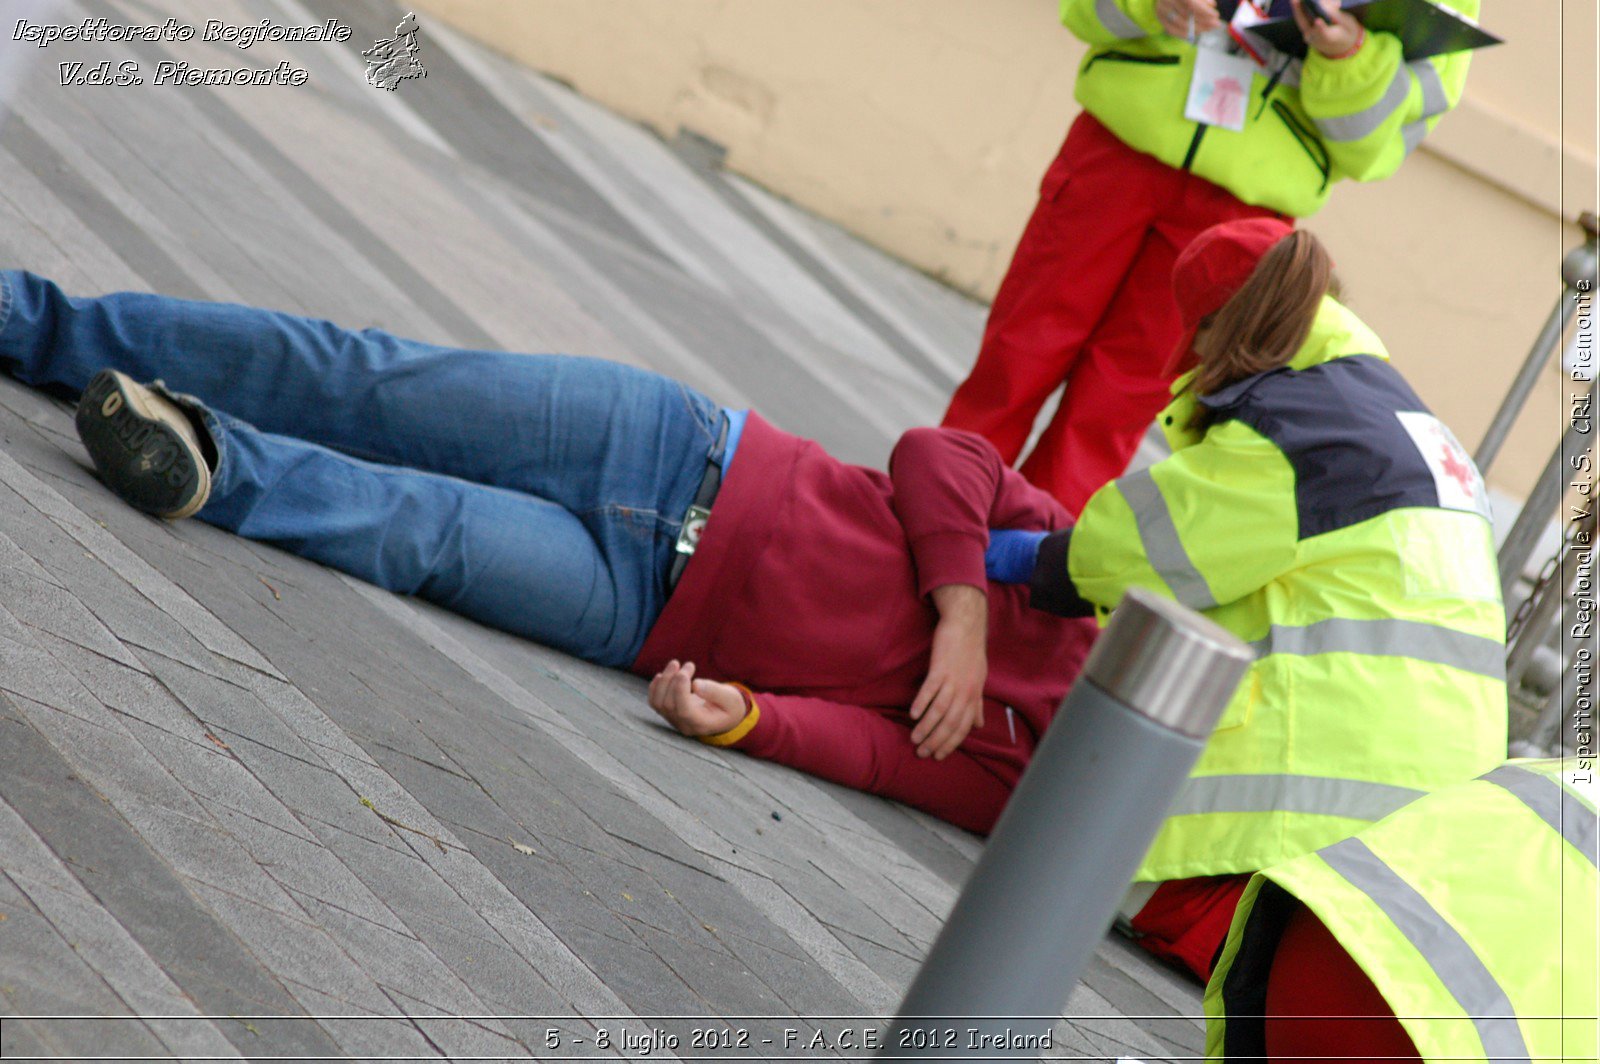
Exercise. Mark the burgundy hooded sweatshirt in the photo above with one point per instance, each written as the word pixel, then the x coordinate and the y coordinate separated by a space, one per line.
pixel 811 587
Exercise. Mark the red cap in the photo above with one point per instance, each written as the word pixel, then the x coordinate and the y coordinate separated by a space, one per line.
pixel 1212 268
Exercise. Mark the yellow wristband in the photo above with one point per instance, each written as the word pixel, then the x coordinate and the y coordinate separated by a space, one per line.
pixel 740 730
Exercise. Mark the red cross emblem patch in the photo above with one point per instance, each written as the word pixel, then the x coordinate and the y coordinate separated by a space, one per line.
pixel 1456 478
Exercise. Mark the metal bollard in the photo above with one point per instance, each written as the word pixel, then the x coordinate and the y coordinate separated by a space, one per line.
pixel 1060 859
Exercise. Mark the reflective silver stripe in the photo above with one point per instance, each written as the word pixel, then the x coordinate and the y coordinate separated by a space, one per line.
pixel 1460 970
pixel 1390 637
pixel 1434 100
pixel 1273 793
pixel 1564 811
pixel 1362 123
pixel 1411 134
pixel 1114 19
pixel 1162 546
pixel 1434 103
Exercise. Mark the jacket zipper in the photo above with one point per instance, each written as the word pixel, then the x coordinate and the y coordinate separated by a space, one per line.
pixel 1150 60
pixel 1307 139
pixel 1194 144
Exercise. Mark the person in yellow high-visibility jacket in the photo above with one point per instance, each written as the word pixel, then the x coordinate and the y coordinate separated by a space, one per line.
pixel 1460 928
pixel 1138 178
pixel 1313 507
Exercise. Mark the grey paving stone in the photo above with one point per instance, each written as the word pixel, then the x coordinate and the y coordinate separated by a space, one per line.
pixel 479 1037
pixel 112 761
pixel 549 888
pixel 498 976
pixel 38 601
pixel 204 854
pixel 412 976
pixel 307 870
pixel 452 797
pixel 801 984
pixel 311 790
pixel 711 900
pixel 149 582
pixel 1130 997
pixel 896 968
pixel 503 144
pixel 103 1037
pixel 132 692
pixel 835 907
pixel 718 977
pixel 28 671
pixel 359 1033
pixel 227 791
pixel 13 560
pixel 644 983
pixel 42 975
pixel 10 893
pixel 54 896
pixel 635 896
pixel 521 930
pixel 294 949
pixel 98 213
pixel 138 888
pixel 400 878
pixel 223 705
pixel 21 1039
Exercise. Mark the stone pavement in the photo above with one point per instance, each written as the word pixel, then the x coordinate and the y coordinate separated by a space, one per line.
pixel 252 808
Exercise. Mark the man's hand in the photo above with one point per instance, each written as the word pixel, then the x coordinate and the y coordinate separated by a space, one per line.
pixel 695 707
pixel 950 702
pixel 1175 16
pixel 1334 38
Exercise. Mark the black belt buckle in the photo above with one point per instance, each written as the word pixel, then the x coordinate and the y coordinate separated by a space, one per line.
pixel 699 512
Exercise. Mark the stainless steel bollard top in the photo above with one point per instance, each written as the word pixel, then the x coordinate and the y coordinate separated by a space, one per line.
pixel 1168 663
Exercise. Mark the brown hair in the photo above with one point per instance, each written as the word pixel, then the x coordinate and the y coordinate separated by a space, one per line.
pixel 1264 323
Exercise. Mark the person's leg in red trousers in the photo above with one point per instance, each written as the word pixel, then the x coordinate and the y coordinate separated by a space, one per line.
pixel 1117 385
pixel 1083 237
pixel 1124 373
pixel 1313 977
pixel 1185 921
pixel 1088 300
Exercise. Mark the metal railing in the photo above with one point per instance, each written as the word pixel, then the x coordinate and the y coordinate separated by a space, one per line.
pixel 1544 666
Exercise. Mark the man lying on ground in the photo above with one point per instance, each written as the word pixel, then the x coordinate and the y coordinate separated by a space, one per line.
pixel 599 509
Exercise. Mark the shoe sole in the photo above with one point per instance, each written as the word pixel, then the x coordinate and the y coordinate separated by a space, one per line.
pixel 144 460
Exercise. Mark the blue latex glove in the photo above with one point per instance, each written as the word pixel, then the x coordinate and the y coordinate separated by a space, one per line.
pixel 1011 555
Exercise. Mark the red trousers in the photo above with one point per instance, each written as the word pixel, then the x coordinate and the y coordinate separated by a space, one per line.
pixel 1187 920
pixel 1312 980
pixel 1088 301
pixel 1320 1004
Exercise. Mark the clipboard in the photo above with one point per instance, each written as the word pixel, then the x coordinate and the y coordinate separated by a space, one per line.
pixel 1425 27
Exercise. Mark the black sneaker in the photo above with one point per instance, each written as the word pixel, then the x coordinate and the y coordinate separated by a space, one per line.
pixel 145 448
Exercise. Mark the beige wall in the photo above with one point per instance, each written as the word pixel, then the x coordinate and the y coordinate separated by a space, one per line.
pixel 923 126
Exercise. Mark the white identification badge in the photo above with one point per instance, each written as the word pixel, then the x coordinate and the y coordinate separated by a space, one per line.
pixel 1454 476
pixel 1219 92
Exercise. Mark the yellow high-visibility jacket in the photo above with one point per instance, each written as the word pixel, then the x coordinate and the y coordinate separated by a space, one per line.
pixel 1325 120
pixel 1327 519
pixel 1472 911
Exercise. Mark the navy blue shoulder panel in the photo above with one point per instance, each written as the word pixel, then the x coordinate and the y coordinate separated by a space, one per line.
pixel 1353 458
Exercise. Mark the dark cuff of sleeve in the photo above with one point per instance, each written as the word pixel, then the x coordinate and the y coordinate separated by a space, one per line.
pixel 1051 588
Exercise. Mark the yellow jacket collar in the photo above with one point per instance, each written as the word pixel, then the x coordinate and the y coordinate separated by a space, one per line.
pixel 1335 333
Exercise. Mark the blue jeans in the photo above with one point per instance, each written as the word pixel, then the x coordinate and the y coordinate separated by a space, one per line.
pixel 541 494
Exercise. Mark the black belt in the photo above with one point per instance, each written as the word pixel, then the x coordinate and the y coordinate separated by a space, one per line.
pixel 699 512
